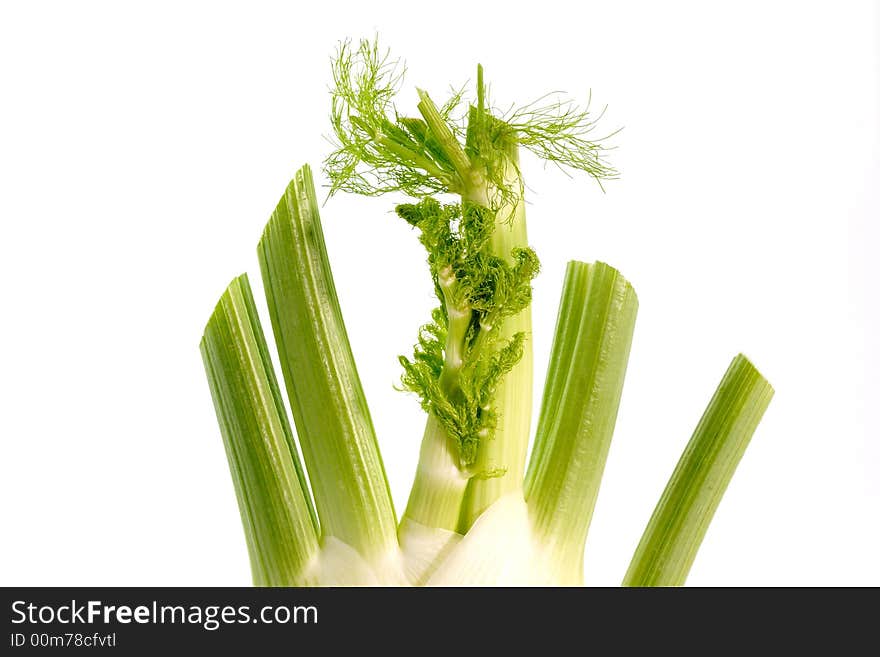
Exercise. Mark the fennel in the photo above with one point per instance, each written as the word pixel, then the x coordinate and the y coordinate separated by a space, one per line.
pixel 475 514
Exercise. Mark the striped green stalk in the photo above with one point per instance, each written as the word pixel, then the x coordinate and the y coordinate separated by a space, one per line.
pixel 676 529
pixel 279 523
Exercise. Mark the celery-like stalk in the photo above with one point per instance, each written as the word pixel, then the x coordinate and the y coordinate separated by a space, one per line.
pixel 679 522
pixel 328 404
pixel 273 499
pixel 579 409
pixel 505 454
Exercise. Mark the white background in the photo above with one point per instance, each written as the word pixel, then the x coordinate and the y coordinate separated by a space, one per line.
pixel 144 145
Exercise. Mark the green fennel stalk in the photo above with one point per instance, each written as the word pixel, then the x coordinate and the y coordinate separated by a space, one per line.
pixel 579 409
pixel 676 529
pixel 276 511
pixel 329 408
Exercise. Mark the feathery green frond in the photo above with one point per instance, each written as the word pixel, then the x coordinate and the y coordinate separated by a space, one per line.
pixel 556 129
pixel 377 151
pixel 454 147
pixel 459 358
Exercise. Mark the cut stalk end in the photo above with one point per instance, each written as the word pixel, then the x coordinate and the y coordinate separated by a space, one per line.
pixel 682 516
pixel 579 408
pixel 279 523
pixel 329 407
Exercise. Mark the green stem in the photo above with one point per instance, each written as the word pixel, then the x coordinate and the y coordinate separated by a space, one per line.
pixel 273 500
pixel 439 485
pixel 561 356
pixel 328 403
pixel 676 529
pixel 506 452
pixel 415 158
pixel 584 385
pixel 459 319
pixel 444 136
